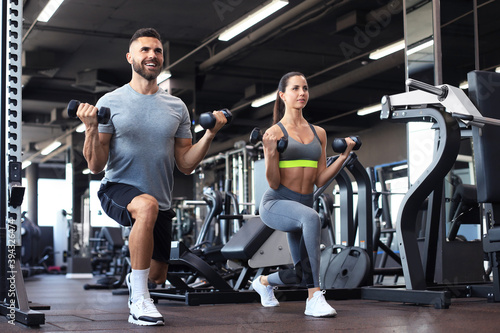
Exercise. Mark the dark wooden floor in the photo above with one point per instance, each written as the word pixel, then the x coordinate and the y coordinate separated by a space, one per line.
pixel 73 309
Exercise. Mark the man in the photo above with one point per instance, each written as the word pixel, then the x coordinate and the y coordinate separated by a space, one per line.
pixel 147 135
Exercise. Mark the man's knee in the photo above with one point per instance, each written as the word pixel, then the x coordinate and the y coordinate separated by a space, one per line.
pixel 144 207
pixel 146 202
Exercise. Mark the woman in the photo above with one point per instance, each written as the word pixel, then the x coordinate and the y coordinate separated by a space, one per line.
pixel 287 205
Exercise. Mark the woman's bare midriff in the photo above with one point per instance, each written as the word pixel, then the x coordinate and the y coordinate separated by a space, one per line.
pixel 300 179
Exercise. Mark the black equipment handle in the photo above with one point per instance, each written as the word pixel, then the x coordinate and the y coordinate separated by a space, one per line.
pixel 441 92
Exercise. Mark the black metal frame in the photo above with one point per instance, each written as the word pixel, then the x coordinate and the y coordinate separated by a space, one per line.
pixel 418 271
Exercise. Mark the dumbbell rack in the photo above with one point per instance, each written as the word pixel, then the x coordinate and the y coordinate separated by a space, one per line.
pixel 13 298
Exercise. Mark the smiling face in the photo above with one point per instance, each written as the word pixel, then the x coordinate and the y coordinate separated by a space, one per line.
pixel 146 57
pixel 296 93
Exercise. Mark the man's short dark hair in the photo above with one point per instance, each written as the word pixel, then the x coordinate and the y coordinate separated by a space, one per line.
pixel 145 32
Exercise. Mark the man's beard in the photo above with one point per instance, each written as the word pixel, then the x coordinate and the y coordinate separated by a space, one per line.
pixel 139 69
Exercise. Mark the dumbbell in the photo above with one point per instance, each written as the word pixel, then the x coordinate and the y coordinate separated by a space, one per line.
pixel 256 136
pixel 103 113
pixel 339 145
pixel 207 119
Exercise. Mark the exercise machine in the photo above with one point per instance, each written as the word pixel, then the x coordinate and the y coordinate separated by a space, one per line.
pixel 194 273
pixel 345 265
pixel 384 247
pixel 109 256
pixel 448 108
pixel 484 93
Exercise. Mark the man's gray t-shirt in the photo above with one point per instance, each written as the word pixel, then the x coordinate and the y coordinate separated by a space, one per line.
pixel 144 128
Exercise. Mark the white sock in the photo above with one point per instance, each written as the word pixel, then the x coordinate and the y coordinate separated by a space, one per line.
pixel 139 282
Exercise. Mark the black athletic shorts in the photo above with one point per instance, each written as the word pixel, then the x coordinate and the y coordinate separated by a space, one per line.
pixel 114 199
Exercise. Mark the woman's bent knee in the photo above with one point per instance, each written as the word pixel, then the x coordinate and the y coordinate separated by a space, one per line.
pixel 312 220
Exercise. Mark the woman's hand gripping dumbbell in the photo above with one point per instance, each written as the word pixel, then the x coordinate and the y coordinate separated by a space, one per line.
pixel 256 136
pixel 207 120
pixel 103 113
pixel 339 145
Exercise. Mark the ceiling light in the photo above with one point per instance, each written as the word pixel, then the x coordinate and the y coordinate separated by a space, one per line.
pixel 252 19
pixel 420 47
pixel 370 109
pixel 50 148
pixel 497 69
pixel 164 76
pixel 80 128
pixel 264 100
pixel 464 85
pixel 385 51
pixel 49 10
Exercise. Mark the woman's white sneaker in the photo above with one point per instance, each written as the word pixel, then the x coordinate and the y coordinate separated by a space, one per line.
pixel 266 293
pixel 143 312
pixel 318 307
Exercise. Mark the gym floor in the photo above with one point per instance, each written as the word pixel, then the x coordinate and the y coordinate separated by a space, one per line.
pixel 73 309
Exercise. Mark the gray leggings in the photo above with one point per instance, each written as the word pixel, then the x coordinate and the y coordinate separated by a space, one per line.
pixel 292 212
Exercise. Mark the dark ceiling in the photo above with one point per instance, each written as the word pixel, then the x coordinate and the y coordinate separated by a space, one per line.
pixel 80 54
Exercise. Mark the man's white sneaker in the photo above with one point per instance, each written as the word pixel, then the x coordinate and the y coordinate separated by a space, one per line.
pixel 318 307
pixel 266 293
pixel 129 285
pixel 143 312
